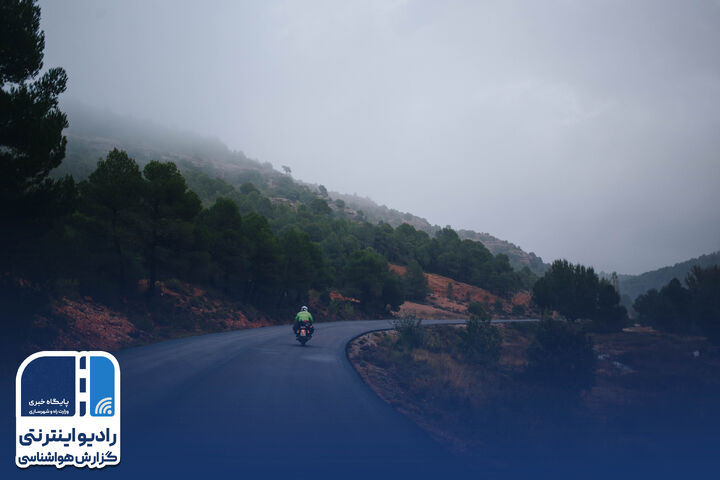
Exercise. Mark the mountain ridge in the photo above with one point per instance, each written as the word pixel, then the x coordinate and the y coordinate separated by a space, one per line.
pixel 634 285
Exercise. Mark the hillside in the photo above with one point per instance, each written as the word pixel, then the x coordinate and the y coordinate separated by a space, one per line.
pixel 213 170
pixel 93 133
pixel 381 213
pixel 449 298
pixel 634 285
pixel 518 257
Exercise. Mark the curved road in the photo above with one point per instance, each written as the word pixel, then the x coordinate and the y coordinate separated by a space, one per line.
pixel 256 404
pixel 257 401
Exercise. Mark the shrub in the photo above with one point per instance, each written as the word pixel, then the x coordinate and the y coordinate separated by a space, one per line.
pixel 667 309
pixel 175 285
pixel 341 308
pixel 67 287
pixel 142 322
pixel 704 288
pixel 613 321
pixel 416 283
pixel 561 356
pixel 482 341
pixel 609 316
pixel 477 310
pixel 410 331
pixel 498 305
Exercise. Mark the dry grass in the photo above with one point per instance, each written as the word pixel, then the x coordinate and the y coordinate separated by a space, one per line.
pixel 433 385
pixel 645 382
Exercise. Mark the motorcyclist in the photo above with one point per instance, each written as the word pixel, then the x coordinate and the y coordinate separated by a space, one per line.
pixel 303 316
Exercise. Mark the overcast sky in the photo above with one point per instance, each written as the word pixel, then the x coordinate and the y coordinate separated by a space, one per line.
pixel 575 129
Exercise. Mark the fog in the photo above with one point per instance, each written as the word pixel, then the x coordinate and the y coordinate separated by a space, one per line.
pixel 580 130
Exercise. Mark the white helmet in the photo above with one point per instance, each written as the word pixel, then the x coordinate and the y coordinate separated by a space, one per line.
pixel 304 308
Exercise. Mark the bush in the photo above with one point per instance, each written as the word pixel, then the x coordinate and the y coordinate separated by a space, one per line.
pixel 341 309
pixel 142 322
pixel 477 310
pixel 614 321
pixel 416 283
pixel 66 287
pixel 324 297
pixel 667 309
pixel 562 356
pixel 410 330
pixel 609 316
pixel 175 285
pixel 676 309
pixel 704 288
pixel 347 310
pixel 482 341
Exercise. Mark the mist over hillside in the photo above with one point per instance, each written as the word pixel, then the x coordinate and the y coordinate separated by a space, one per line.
pixel 634 285
pixel 381 213
pixel 94 132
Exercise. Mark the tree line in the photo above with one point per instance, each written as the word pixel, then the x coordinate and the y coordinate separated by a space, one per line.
pixel 339 235
pixel 690 308
pixel 576 292
pixel 132 223
pixel 129 224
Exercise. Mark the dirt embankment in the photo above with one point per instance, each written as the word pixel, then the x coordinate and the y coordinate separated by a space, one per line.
pixel 89 325
pixel 178 310
pixel 449 298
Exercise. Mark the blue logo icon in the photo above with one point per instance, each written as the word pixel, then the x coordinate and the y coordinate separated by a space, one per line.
pixel 102 386
pixel 68 410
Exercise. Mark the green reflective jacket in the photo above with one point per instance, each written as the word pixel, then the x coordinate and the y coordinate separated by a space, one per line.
pixel 303 316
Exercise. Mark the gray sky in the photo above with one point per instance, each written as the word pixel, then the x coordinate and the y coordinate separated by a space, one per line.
pixel 576 129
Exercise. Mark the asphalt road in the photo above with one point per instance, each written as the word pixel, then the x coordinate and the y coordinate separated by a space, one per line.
pixel 256 400
pixel 256 403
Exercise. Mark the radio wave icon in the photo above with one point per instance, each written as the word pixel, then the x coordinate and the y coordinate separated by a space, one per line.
pixel 104 406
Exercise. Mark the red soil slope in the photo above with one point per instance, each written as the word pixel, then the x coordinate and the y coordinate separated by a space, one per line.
pixel 441 305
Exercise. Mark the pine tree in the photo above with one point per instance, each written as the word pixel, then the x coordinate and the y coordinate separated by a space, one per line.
pixel 31 140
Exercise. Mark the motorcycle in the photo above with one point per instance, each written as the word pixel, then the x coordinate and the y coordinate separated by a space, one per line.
pixel 304 332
